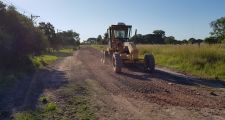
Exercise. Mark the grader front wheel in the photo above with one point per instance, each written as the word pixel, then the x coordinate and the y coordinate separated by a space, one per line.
pixel 149 62
pixel 117 63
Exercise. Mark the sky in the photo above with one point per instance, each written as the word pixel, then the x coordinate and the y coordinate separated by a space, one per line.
pixel 182 19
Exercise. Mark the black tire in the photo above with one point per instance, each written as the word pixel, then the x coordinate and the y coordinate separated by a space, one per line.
pixel 117 63
pixel 149 62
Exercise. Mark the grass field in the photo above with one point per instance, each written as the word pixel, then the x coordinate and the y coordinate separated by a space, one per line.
pixel 207 61
pixel 48 58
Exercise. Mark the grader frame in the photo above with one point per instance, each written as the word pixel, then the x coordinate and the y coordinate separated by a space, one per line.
pixel 120 51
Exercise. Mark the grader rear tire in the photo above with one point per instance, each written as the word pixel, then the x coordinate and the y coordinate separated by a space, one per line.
pixel 149 62
pixel 117 63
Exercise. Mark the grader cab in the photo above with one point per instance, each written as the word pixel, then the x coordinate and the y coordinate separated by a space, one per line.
pixel 120 51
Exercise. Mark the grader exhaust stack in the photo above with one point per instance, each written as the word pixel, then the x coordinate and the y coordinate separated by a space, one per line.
pixel 121 51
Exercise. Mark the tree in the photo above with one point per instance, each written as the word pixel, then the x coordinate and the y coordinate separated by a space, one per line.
pixel 19 39
pixel 99 39
pixel 137 39
pixel 160 33
pixel 170 40
pixel 68 38
pixel 105 38
pixel 2 6
pixel 218 28
pixel 192 40
pixel 184 41
pixel 106 35
pixel 211 40
pixel 153 39
pixel 199 41
pixel 49 30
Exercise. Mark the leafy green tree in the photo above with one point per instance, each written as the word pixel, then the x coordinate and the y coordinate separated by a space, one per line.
pixel 49 30
pixel 68 38
pixel 153 39
pixel 99 39
pixel 170 40
pixel 211 40
pixel 184 41
pixel 137 39
pixel 19 39
pixel 160 33
pixel 105 38
pixel 218 28
pixel 192 40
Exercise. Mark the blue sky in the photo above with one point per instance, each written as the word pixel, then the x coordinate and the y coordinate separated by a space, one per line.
pixel 182 19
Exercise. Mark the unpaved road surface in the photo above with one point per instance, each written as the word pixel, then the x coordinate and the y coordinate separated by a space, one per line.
pixel 133 94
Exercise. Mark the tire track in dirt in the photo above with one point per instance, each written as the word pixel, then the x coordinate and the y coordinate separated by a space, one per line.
pixel 148 87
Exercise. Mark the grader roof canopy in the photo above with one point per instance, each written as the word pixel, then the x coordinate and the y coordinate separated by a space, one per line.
pixel 119 27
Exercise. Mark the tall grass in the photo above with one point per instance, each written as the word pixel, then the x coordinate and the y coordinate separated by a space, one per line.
pixel 205 61
pixel 99 47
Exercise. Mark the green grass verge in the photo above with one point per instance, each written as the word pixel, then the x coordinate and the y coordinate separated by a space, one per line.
pixel 45 59
pixel 76 102
pixel 99 47
pixel 44 112
pixel 206 61
pixel 24 116
pixel 74 105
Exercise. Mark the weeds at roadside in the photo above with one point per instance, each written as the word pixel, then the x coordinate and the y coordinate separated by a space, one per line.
pixel 74 105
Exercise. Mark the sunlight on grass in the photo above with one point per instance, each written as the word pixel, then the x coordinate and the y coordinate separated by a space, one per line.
pixel 43 60
pixel 99 47
pixel 24 116
pixel 66 50
pixel 50 107
pixel 204 61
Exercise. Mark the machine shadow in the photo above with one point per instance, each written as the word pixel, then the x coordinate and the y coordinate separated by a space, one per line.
pixel 170 77
pixel 25 94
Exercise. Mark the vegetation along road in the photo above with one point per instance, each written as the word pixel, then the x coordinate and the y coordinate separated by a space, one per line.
pixel 81 87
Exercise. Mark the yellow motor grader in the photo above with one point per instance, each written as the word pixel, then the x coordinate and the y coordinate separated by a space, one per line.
pixel 120 51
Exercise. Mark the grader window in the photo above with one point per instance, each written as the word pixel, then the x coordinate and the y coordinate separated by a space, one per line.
pixel 120 34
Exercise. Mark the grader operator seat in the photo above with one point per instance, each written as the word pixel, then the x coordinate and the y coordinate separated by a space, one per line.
pixel 118 34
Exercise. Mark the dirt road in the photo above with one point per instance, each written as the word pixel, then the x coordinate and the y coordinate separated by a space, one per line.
pixel 133 94
pixel 161 95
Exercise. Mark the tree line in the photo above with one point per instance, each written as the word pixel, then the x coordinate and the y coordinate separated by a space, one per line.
pixel 159 36
pixel 20 39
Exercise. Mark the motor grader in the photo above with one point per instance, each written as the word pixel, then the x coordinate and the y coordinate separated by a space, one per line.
pixel 120 51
